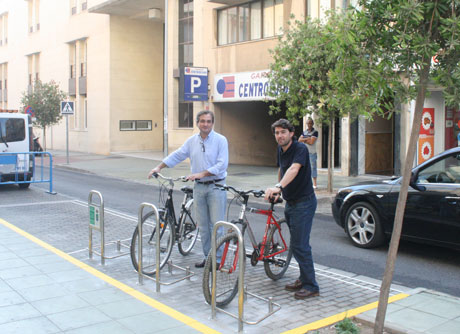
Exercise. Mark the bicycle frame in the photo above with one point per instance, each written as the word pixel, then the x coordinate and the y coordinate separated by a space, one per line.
pixel 242 219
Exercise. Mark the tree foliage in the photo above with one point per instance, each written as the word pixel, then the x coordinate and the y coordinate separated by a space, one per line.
pixel 45 101
pixel 412 35
pixel 409 34
pixel 321 68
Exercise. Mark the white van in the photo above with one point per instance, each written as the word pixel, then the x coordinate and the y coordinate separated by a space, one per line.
pixel 16 136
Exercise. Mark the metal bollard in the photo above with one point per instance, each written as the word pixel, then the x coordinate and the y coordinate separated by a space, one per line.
pixel 96 222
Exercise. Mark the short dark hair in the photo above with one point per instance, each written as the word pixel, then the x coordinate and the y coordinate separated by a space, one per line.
pixel 312 121
pixel 283 123
pixel 204 112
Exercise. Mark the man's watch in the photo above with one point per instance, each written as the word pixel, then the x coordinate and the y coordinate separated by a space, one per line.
pixel 278 185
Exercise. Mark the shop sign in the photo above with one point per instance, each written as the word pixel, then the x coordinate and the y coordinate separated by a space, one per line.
pixel 242 86
pixel 426 137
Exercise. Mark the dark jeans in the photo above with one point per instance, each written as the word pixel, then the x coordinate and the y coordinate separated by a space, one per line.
pixel 299 217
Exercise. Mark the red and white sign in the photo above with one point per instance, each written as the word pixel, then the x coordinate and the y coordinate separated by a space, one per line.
pixel 426 137
pixel 242 86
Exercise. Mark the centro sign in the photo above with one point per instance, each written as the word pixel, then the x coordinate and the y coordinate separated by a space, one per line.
pixel 242 86
pixel 195 83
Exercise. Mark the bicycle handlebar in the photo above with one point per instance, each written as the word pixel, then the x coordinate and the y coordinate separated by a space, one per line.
pixel 256 193
pixel 167 178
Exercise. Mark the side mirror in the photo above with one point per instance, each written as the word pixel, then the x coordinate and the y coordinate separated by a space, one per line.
pixel 413 182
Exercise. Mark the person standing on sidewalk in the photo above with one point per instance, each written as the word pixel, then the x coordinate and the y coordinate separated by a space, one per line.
pixel 309 138
pixel 295 184
pixel 208 153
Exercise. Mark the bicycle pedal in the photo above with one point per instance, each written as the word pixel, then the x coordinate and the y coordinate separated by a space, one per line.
pixel 255 257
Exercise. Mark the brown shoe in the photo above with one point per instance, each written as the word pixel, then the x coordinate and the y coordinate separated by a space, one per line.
pixel 296 286
pixel 303 294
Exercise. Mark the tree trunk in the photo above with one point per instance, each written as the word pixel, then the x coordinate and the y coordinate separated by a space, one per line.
pixel 44 138
pixel 330 157
pixel 407 173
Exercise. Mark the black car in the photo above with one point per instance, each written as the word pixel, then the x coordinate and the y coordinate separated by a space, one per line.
pixel 366 211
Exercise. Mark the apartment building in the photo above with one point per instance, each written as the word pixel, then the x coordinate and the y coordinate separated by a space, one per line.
pixel 110 66
pixel 109 55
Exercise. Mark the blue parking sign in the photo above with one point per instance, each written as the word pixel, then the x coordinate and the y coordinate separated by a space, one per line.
pixel 195 81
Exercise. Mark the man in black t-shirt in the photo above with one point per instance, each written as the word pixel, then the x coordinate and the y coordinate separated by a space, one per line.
pixel 295 184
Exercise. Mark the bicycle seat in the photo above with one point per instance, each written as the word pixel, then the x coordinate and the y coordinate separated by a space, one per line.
pixel 187 189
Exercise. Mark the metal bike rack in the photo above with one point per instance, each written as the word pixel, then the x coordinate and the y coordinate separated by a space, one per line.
pixel 96 222
pixel 242 292
pixel 188 273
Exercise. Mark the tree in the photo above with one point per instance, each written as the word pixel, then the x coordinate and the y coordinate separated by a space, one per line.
pixel 409 34
pixel 45 101
pixel 320 68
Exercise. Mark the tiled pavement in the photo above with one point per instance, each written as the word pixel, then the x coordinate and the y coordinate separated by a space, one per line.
pixel 42 292
pixel 62 297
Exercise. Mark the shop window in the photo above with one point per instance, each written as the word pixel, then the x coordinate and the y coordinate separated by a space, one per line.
pixel 250 21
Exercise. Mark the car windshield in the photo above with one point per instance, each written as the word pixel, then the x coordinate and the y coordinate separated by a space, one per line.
pixel 443 171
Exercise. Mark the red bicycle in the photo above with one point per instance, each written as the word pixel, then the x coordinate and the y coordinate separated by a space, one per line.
pixel 274 250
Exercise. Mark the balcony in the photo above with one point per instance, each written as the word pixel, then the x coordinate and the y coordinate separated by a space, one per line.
pixel 133 9
pixel 72 86
pixel 82 85
pixel 5 95
pixel 1 95
pixel 30 89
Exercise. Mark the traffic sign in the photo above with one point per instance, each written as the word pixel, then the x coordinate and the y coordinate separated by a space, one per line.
pixel 67 108
pixel 194 81
pixel 30 111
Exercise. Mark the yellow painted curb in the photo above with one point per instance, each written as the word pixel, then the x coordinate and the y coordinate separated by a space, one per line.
pixel 123 287
pixel 340 316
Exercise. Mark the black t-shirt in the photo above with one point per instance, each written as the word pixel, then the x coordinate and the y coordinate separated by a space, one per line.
pixel 302 185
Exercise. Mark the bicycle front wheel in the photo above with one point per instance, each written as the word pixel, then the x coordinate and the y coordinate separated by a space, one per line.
pixel 227 271
pixel 188 230
pixel 149 244
pixel 278 254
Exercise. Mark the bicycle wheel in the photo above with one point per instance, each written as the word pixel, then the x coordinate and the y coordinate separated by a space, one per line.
pixel 227 272
pixel 188 229
pixel 276 265
pixel 149 244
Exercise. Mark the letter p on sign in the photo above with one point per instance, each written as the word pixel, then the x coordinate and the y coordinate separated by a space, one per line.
pixel 195 83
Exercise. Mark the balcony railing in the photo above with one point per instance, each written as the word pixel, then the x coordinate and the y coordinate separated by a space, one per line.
pixel 72 86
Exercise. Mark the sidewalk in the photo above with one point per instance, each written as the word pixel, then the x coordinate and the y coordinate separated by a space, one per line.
pixel 40 291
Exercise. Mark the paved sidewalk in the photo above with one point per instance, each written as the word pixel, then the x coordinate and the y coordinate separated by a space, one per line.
pixel 44 290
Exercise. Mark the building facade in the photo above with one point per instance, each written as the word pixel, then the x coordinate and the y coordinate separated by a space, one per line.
pixel 109 56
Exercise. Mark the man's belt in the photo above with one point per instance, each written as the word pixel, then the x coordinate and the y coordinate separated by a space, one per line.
pixel 210 181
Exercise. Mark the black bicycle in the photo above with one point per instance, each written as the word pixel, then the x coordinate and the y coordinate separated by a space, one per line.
pixel 184 230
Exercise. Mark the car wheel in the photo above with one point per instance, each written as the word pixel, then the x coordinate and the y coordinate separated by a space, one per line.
pixel 363 226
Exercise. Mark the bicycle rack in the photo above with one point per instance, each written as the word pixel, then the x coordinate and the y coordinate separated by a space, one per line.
pixel 188 273
pixel 242 292
pixel 96 222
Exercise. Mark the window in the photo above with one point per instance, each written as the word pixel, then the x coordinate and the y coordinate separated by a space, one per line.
pixel 186 115
pixel 446 170
pixel 135 125
pixel 250 21
pixel 13 129
pixel 185 33
pixel 34 15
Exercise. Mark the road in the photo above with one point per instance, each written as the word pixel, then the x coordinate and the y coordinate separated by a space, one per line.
pixel 417 265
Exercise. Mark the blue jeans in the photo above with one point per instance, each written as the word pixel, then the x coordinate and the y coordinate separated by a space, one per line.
pixel 210 203
pixel 314 168
pixel 299 217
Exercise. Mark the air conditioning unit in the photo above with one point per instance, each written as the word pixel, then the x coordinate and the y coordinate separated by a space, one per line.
pixel 155 14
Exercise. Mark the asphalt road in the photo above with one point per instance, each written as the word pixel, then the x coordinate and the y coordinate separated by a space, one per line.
pixel 417 265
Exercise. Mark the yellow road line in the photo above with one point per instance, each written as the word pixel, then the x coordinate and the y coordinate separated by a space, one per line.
pixel 125 288
pixel 340 316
